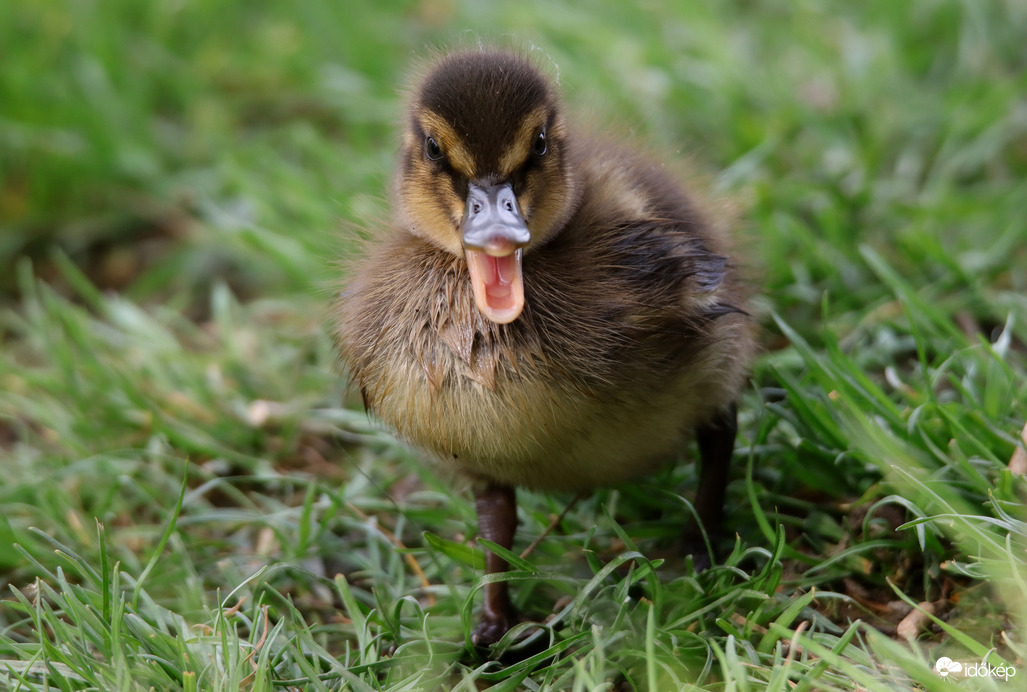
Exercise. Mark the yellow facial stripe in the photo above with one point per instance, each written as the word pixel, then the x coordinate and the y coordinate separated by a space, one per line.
pixel 517 153
pixel 449 141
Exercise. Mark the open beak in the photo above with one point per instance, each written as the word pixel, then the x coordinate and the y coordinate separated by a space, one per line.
pixel 494 234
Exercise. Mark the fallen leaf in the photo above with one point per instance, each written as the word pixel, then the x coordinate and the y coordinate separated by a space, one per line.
pixel 917 620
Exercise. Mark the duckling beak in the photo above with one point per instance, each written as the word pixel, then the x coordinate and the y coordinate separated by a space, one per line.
pixel 494 233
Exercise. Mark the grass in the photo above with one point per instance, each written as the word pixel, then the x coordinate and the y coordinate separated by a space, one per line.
pixel 192 499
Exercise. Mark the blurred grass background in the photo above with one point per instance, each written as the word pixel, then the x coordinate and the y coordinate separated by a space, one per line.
pixel 177 182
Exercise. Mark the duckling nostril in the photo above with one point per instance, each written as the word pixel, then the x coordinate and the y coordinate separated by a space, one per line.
pixel 492 222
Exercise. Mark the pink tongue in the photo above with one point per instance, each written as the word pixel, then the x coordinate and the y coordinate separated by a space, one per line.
pixel 497 275
pixel 497 284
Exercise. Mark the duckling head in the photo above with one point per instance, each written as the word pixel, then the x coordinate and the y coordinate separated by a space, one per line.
pixel 485 169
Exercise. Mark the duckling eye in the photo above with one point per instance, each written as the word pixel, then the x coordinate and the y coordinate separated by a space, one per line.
pixel 432 149
pixel 539 146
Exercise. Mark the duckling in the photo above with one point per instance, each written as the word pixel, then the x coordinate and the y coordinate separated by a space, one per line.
pixel 549 309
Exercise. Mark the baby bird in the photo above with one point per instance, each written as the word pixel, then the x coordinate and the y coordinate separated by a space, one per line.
pixel 548 309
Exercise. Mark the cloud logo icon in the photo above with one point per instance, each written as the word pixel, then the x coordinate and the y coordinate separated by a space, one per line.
pixel 945 666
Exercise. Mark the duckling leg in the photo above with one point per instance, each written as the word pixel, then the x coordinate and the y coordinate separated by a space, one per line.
pixel 716 444
pixel 497 521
